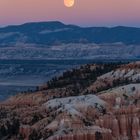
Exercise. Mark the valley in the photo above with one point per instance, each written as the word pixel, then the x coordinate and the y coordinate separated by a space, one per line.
pixel 22 75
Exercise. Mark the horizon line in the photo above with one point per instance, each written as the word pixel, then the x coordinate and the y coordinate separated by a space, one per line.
pixel 31 22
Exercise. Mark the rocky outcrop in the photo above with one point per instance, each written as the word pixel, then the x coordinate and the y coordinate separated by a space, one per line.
pixel 86 133
pixel 112 114
pixel 25 131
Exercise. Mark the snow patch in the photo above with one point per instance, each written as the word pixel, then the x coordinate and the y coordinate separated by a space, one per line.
pixel 72 104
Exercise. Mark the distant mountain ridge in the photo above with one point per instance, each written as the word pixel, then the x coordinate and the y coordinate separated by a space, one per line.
pixel 53 33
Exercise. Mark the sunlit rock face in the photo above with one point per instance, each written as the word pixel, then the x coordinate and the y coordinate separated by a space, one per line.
pixel 86 133
pixel 121 121
pixel 124 123
pixel 112 114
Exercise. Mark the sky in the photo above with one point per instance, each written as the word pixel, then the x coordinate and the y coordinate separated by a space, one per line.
pixel 83 13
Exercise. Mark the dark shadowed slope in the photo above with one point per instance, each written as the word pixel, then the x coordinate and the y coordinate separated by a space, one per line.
pixel 52 33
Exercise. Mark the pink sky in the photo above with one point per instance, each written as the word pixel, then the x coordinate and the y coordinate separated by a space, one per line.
pixel 85 12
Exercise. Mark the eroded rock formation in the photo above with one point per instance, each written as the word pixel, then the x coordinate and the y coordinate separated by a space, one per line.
pixel 58 114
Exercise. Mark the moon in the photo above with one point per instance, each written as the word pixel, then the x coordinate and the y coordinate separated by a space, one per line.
pixel 69 3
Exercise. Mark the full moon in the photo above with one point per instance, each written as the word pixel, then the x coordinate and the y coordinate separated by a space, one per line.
pixel 69 3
